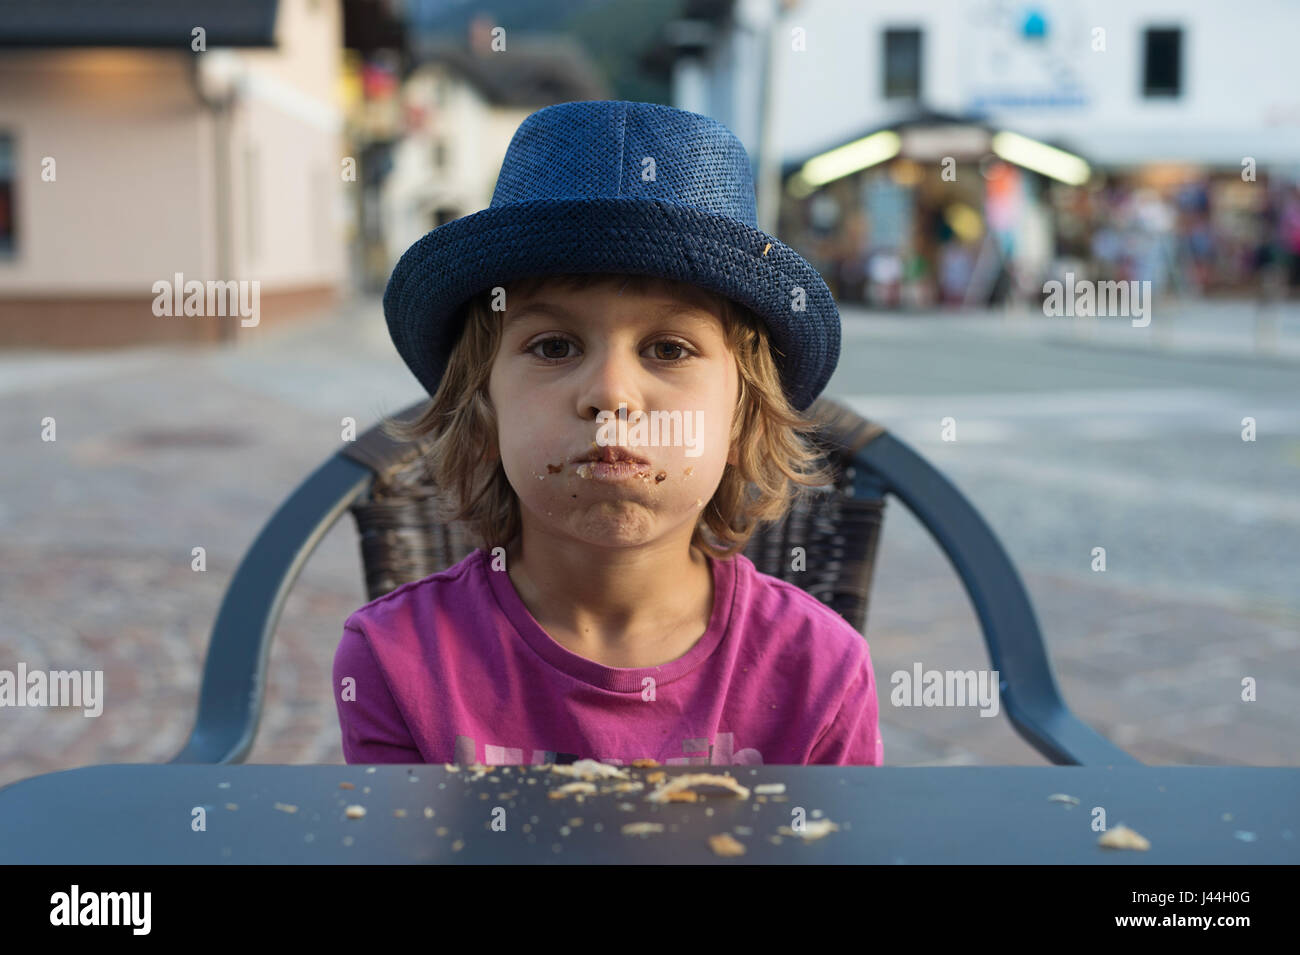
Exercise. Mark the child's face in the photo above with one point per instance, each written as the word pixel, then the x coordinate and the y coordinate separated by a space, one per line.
pixel 553 374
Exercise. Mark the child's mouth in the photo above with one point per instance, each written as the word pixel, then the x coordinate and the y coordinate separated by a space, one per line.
pixel 616 472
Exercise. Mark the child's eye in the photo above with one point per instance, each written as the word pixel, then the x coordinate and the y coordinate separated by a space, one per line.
pixel 548 341
pixel 552 358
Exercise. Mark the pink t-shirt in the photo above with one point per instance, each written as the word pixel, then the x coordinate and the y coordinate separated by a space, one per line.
pixel 454 669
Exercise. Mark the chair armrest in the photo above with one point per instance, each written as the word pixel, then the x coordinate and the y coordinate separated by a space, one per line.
pixel 234 674
pixel 1027 685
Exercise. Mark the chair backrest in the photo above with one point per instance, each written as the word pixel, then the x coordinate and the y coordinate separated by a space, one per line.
pixel 825 544
pixel 382 482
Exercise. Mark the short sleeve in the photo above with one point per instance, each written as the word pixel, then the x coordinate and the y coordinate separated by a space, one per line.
pixel 371 724
pixel 853 737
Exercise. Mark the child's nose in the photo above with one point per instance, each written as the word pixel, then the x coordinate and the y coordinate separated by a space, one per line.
pixel 612 385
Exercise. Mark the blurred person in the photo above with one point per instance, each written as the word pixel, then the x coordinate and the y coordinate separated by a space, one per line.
pixel 956 266
pixel 1289 236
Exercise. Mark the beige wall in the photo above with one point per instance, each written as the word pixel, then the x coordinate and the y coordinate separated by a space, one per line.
pixel 134 200
pixel 287 149
pixel 133 166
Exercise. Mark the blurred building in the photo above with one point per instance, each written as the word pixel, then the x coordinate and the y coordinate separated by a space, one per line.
pixel 456 110
pixel 1185 113
pixel 142 141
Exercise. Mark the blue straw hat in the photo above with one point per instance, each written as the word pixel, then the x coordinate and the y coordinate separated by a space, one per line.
pixel 615 186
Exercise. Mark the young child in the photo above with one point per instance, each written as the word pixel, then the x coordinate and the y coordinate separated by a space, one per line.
pixel 618 359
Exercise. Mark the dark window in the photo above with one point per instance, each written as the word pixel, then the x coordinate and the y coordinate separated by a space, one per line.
pixel 8 228
pixel 1162 66
pixel 902 64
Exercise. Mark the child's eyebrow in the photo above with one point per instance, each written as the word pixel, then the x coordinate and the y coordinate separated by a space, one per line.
pixel 667 310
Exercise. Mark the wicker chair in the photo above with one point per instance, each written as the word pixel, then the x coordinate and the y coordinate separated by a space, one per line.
pixel 382 483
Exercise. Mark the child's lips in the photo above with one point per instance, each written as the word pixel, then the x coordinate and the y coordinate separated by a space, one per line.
pixel 610 455
pixel 612 472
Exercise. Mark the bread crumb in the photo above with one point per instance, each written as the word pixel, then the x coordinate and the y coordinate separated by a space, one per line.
pixel 1062 797
pixel 627 787
pixel 590 769
pixel 644 763
pixel 568 788
pixel 285 807
pixel 658 777
pixel 769 789
pixel 346 786
pixel 231 806
pixel 428 812
pixel 355 812
pixel 681 795
pixel 815 829
pixel 1122 837
pixel 725 844
pixel 642 828
pixel 399 813
pixel 689 781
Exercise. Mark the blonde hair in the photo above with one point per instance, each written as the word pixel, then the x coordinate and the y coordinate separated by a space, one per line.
pixel 775 464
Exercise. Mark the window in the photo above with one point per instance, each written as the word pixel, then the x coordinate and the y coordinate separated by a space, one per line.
pixel 902 64
pixel 8 227
pixel 1162 66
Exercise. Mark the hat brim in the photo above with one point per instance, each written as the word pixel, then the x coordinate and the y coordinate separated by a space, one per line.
pixel 446 267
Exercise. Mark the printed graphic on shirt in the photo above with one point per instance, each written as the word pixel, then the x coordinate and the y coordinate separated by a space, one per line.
pixel 698 751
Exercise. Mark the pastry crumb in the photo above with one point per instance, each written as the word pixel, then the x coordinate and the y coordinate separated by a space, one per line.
pixel 1122 837
pixel 814 829
pixel 642 828
pixel 689 781
pixel 725 844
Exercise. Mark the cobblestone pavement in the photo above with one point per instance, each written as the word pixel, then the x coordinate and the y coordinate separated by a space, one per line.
pixel 161 450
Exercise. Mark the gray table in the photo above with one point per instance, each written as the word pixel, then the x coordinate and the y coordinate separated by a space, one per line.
pixel 141 814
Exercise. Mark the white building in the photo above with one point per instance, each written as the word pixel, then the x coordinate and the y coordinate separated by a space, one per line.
pixel 462 105
pixel 1164 96
pixel 1120 82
